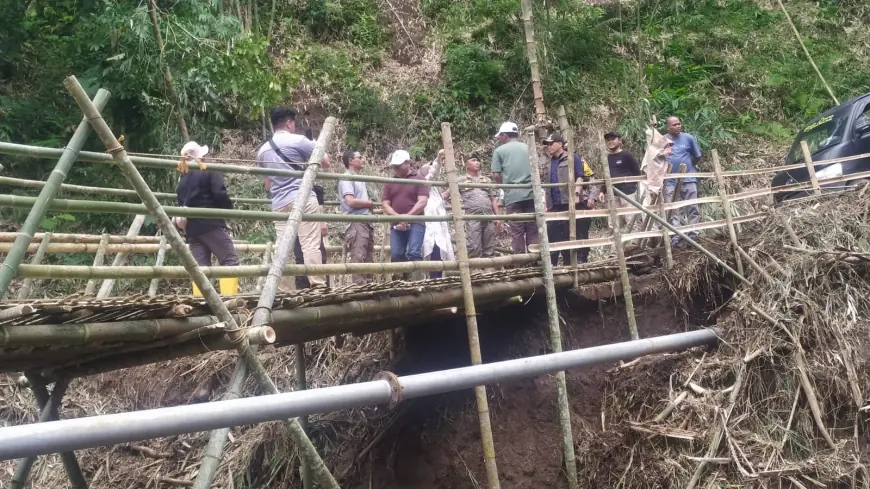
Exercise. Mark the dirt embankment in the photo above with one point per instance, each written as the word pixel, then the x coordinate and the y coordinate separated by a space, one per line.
pixel 436 443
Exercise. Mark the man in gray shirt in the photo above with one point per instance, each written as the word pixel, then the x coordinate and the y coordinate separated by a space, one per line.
pixel 354 200
pixel 289 151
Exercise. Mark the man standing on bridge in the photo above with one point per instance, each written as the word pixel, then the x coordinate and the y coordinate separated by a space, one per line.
pixel 622 163
pixel 479 235
pixel 556 171
pixel 358 236
pixel 686 151
pixel 510 164
pixel 405 199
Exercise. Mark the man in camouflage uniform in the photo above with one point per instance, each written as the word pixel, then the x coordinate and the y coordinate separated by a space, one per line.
pixel 479 235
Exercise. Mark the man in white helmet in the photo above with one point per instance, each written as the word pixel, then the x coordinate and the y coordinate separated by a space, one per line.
pixel 206 237
pixel 510 164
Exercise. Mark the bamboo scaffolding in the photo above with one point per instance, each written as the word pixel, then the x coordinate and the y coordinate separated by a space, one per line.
pixel 553 316
pixel 291 326
pixel 470 311
pixel 158 262
pixel 49 405
pixel 532 54
pixel 207 213
pixel 121 258
pixel 42 203
pixel 726 206
pixel 27 286
pixel 147 248
pixel 179 273
pixel 617 242
pixel 235 334
pixel 99 257
pixel 666 239
pixel 682 235
pixel 572 206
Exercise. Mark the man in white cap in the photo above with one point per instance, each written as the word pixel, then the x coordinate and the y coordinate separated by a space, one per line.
pixel 510 164
pixel 206 237
pixel 405 199
pixel 287 150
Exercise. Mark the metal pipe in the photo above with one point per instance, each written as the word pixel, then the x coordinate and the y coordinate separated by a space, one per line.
pixel 76 434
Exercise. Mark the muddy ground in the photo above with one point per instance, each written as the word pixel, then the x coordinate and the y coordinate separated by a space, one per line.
pixel 436 444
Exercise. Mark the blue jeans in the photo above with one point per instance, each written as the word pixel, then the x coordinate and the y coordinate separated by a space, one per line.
pixel 407 245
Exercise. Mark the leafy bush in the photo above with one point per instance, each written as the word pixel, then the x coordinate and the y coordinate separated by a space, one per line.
pixel 472 75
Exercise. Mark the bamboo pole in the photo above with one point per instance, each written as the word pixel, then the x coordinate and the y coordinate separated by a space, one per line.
pixel 99 257
pixel 617 243
pixel 26 287
pixel 284 245
pixel 783 219
pixel 161 255
pixel 121 258
pixel 144 247
pixel 42 203
pixel 119 192
pixel 811 168
pixel 532 54
pixel 180 273
pixel 235 334
pixel 755 266
pixel 682 235
pixel 171 164
pixel 22 202
pixel 807 52
pixel 678 187
pixel 301 385
pixel 666 239
pixel 211 458
pixel 49 405
pixel 726 206
pixel 167 74
pixel 553 316
pixel 572 206
pixel 470 312
pixel 267 262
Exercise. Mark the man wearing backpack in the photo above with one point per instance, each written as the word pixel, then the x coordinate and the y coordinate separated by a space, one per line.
pixel 206 237
pixel 287 150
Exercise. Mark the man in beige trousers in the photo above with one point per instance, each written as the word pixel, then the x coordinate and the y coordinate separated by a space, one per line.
pixel 287 150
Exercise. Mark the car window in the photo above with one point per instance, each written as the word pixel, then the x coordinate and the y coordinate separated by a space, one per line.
pixel 820 134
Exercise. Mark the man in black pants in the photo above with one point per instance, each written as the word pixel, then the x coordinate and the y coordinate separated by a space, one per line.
pixel 556 171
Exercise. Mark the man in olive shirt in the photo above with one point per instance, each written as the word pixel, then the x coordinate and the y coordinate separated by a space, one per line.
pixel 510 164
pixel 358 236
pixel 479 235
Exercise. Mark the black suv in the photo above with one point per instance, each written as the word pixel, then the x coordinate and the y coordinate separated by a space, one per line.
pixel 839 132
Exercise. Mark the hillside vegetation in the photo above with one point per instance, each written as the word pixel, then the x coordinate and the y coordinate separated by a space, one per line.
pixel 392 70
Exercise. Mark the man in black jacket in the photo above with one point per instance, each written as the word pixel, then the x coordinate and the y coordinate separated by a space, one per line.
pixel 207 237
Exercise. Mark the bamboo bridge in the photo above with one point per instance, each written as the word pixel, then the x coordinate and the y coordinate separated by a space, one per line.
pixel 54 341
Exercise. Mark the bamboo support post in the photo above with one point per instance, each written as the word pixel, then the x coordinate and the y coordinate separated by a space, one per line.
pixel 532 54
pixel 568 135
pixel 470 311
pixel 726 206
pixel 666 239
pixel 301 385
pixel 46 196
pixel 49 405
pixel 656 200
pixel 211 457
pixel 99 257
pixel 16 311
pixel 811 168
pixel 213 299
pixel 682 235
pixel 109 284
pixel 161 255
pixel 267 261
pixel 27 286
pixel 553 316
pixel 617 242
pixel 755 266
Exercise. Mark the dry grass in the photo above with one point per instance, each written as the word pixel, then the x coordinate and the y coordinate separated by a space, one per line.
pixel 748 409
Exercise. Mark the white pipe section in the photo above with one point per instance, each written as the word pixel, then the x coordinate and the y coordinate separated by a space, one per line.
pixel 76 434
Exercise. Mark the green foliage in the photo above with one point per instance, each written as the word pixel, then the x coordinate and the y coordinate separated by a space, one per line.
pixel 472 75
pixel 354 21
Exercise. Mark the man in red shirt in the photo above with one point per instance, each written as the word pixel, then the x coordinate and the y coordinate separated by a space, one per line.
pixel 405 199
